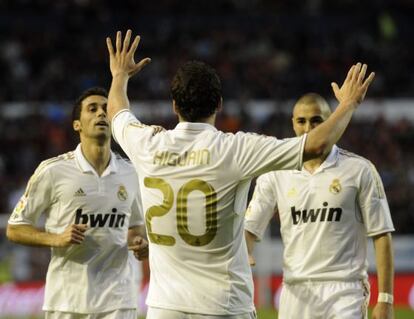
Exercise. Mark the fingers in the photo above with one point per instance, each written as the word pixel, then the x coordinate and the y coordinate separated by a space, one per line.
pixel 356 71
pixel 369 80
pixel 127 40
pixel 134 45
pixel 335 88
pixel 139 66
pixel 350 74
pixel 361 75
pixel 110 47
pixel 118 41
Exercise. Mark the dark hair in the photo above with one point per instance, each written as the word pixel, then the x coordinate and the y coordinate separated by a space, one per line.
pixel 77 108
pixel 196 90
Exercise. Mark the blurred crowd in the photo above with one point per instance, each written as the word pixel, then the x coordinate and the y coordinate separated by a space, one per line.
pixel 261 48
pixel 50 51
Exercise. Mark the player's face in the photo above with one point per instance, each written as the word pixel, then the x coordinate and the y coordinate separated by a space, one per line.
pixel 93 121
pixel 306 117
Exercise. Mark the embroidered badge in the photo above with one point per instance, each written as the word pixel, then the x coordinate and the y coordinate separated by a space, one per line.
pixel 122 193
pixel 335 186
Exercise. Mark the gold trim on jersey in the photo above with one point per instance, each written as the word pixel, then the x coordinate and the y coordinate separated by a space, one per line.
pixel 43 165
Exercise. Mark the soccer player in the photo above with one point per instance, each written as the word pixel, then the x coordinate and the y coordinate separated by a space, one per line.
pixel 326 211
pixel 90 198
pixel 194 181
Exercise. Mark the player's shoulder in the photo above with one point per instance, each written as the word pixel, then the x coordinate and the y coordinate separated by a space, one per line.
pixel 57 162
pixel 354 160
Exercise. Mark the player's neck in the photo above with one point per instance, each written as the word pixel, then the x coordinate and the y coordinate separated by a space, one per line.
pixel 97 154
pixel 209 120
pixel 312 165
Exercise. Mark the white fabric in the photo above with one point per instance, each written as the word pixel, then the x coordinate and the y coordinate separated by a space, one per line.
pixel 324 300
pixel 98 275
pixel 116 314
pixel 194 182
pixel 158 313
pixel 344 202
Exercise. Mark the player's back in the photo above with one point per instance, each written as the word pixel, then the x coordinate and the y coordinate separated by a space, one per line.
pixel 194 181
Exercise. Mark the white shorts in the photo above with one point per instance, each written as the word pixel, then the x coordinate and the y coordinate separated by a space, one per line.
pixel 115 314
pixel 158 313
pixel 324 300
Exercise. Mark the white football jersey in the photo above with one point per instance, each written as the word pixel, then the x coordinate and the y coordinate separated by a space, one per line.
pixel 324 217
pixel 194 182
pixel 98 275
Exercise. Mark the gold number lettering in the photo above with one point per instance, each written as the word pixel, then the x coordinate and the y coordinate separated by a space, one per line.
pixel 182 211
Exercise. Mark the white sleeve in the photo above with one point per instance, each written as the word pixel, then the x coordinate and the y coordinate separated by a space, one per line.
pixel 262 206
pixel 259 154
pixel 373 203
pixel 130 133
pixel 137 213
pixel 36 200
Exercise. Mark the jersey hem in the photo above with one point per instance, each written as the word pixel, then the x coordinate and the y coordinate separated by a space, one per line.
pixel 321 280
pixel 76 310
pixel 379 232
pixel 254 232
pixel 236 311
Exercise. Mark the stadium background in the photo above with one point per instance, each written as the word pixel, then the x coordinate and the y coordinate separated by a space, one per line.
pixel 267 53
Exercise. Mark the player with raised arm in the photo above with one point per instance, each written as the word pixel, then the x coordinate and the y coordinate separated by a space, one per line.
pixel 90 198
pixel 326 211
pixel 194 181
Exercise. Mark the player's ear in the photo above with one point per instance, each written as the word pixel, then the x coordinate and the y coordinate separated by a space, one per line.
pixel 175 109
pixel 220 105
pixel 76 125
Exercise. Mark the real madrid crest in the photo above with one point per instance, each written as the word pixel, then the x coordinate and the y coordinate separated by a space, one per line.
pixel 122 193
pixel 335 186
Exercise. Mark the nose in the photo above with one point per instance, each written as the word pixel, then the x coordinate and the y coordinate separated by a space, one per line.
pixel 307 127
pixel 101 112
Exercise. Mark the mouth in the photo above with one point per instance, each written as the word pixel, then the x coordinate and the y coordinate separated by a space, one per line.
pixel 102 124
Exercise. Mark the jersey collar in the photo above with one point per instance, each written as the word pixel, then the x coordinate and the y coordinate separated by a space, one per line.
pixel 191 126
pixel 85 167
pixel 330 161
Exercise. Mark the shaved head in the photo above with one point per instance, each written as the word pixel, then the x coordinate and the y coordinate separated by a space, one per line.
pixel 309 111
pixel 313 99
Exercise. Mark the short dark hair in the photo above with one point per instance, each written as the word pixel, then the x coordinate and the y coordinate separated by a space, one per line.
pixel 196 90
pixel 77 107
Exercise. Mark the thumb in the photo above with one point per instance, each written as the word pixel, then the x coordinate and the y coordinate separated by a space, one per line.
pixel 140 65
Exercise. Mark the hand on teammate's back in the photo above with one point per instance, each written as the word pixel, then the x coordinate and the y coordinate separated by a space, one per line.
pixel 355 86
pixel 121 60
pixel 140 247
pixel 73 234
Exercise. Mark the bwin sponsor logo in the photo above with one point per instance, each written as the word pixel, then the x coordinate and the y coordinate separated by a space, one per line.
pixel 325 214
pixel 100 220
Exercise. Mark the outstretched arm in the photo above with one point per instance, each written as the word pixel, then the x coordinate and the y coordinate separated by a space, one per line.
pixel 350 95
pixel 385 274
pixel 122 65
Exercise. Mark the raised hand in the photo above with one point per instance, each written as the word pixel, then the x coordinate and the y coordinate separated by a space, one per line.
pixel 73 234
pixel 140 247
pixel 121 60
pixel 355 86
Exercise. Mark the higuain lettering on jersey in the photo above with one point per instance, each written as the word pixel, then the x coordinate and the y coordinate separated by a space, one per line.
pixel 196 157
pixel 312 215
